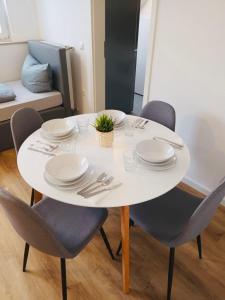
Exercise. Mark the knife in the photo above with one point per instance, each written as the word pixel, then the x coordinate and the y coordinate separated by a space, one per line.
pixel 101 191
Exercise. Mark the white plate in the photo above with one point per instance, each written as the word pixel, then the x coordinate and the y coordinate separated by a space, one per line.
pixel 58 127
pixel 164 163
pixel 72 134
pixel 117 115
pixel 84 181
pixel 154 151
pixel 67 167
pixel 160 167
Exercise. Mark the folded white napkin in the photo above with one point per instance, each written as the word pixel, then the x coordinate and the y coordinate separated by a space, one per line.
pixel 45 148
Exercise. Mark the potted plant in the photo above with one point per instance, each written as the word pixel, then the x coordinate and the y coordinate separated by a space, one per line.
pixel 104 126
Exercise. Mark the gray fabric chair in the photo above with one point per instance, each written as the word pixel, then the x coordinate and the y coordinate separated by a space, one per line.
pixel 23 123
pixel 58 229
pixel 160 112
pixel 177 218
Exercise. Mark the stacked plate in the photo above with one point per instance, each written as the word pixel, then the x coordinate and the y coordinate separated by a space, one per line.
pixel 117 116
pixel 68 171
pixel 156 155
pixel 58 130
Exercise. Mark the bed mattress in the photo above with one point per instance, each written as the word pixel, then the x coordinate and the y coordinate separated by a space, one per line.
pixel 25 98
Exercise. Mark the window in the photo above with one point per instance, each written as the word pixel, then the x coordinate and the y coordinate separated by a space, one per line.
pixel 4 28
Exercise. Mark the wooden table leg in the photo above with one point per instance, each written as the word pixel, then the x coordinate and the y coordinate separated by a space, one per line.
pixel 37 196
pixel 125 231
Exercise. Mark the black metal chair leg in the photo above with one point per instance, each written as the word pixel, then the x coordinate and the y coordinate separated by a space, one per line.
pixel 105 239
pixel 63 278
pixel 199 242
pixel 119 248
pixel 32 198
pixel 25 256
pixel 170 273
pixel 120 244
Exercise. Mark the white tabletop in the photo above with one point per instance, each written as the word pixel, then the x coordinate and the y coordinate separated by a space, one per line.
pixel 138 186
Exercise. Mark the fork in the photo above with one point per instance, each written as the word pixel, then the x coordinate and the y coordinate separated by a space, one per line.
pixel 102 184
pixel 103 190
pixel 100 178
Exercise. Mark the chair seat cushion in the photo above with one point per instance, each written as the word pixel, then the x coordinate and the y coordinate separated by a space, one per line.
pixel 166 216
pixel 73 225
pixel 6 93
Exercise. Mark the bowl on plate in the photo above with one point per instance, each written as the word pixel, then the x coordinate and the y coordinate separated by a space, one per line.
pixel 154 151
pixel 66 167
pixel 58 128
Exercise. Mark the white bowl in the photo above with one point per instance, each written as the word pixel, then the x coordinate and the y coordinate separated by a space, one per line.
pixel 117 115
pixel 67 167
pixel 58 127
pixel 154 151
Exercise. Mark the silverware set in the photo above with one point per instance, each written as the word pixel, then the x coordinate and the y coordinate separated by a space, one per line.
pixel 140 123
pixel 100 185
pixel 172 143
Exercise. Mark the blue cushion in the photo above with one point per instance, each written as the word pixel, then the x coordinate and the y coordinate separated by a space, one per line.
pixel 6 93
pixel 36 77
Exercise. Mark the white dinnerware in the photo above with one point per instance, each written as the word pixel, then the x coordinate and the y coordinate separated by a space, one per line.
pixel 117 116
pixel 154 151
pixel 71 185
pixel 66 167
pixel 58 128
pixel 157 166
pixel 72 135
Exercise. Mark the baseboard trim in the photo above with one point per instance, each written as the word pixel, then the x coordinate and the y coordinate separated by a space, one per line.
pixel 198 188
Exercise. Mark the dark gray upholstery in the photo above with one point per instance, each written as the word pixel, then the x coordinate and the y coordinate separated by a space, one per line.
pixel 73 225
pixel 177 217
pixel 57 229
pixel 166 216
pixel 23 123
pixel 56 57
pixel 160 112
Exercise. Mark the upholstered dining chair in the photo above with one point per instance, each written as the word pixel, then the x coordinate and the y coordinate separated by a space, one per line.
pixel 160 112
pixel 23 123
pixel 54 228
pixel 177 218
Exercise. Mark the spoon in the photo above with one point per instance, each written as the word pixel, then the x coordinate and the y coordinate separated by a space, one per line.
pixel 100 178
pixel 103 183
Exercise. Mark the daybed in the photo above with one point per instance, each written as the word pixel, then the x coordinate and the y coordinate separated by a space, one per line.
pixel 54 104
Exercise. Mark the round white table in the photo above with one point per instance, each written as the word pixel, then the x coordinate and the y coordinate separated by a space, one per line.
pixel 137 186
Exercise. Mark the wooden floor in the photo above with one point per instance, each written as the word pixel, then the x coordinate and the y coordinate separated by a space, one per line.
pixel 93 275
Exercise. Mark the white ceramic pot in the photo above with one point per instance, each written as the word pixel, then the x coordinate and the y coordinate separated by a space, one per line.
pixel 105 139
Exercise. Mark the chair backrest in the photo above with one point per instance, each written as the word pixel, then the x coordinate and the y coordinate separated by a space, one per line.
pixel 23 123
pixel 202 216
pixel 31 226
pixel 160 112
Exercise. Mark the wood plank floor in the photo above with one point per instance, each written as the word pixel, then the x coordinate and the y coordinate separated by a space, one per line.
pixel 93 275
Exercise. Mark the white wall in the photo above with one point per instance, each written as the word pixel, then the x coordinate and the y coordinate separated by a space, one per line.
pixel 98 39
pixel 11 59
pixel 69 22
pixel 189 72
pixel 23 26
pixel 22 20
pixel 143 42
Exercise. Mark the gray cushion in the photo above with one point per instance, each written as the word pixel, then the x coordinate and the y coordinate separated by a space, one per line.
pixel 36 77
pixel 6 93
